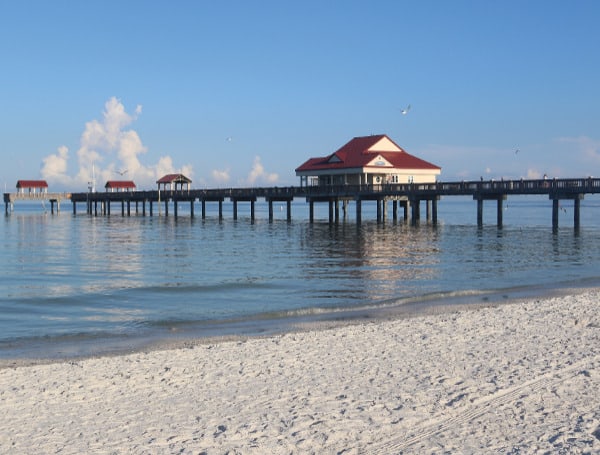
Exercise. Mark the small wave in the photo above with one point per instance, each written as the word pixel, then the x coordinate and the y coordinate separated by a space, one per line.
pixel 190 288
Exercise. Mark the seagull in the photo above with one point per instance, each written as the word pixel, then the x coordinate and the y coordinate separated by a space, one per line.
pixel 405 111
pixel 229 139
pixel 121 173
pixel 517 151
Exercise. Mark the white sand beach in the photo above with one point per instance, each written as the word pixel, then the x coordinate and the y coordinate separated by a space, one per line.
pixel 515 378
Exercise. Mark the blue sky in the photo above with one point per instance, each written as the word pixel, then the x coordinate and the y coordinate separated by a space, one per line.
pixel 238 93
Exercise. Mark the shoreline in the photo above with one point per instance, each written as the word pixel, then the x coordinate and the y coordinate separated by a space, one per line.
pixel 522 375
pixel 74 348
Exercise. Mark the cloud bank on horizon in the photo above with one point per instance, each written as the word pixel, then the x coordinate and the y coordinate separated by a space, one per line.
pixel 111 150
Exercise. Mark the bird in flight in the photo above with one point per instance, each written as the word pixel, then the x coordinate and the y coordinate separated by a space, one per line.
pixel 405 111
pixel 121 173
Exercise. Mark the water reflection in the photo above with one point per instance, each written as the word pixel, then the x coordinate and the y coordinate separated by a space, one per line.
pixel 375 261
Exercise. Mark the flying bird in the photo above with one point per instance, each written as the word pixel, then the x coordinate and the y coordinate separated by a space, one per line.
pixel 121 173
pixel 405 111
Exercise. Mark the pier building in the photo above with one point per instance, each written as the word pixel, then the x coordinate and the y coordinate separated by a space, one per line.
pixel 367 160
pixel 373 160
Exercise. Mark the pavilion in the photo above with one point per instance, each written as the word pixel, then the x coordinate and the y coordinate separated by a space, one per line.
pixel 117 186
pixel 367 160
pixel 174 182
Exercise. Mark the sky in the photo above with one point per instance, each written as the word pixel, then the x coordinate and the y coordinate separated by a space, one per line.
pixel 239 93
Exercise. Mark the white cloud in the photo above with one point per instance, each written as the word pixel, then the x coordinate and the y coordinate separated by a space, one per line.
pixel 221 176
pixel 586 145
pixel 259 175
pixel 110 147
pixel 55 166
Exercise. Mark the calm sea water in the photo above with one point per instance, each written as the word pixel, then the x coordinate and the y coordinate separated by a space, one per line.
pixel 78 284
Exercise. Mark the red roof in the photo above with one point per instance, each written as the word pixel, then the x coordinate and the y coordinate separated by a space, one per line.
pixel 32 184
pixel 171 178
pixel 360 151
pixel 120 184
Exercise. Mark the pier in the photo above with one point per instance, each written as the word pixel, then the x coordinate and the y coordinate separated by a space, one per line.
pixel 408 197
pixel 54 199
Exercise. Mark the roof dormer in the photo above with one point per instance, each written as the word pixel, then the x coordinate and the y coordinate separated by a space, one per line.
pixel 334 159
pixel 379 161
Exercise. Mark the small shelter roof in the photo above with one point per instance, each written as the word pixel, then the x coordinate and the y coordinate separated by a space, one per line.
pixel 173 178
pixel 121 184
pixel 32 184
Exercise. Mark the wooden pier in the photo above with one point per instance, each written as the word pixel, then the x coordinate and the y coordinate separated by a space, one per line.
pixel 53 198
pixel 406 196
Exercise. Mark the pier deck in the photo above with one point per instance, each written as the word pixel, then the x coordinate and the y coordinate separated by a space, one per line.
pixel 53 198
pixel 409 196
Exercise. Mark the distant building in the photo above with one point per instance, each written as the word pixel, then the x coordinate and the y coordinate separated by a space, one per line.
pixel 116 186
pixel 173 182
pixel 367 160
pixel 32 186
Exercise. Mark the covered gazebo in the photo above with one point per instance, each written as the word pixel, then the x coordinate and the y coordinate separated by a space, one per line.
pixel 174 182
pixel 32 186
pixel 113 186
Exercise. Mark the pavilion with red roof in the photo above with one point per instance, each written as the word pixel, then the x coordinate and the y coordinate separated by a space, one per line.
pixel 32 186
pixel 367 160
pixel 174 182
pixel 120 186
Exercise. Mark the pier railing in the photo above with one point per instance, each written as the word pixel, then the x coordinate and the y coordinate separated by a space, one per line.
pixel 462 188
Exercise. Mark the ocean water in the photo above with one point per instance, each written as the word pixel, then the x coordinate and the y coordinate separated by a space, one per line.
pixel 79 285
